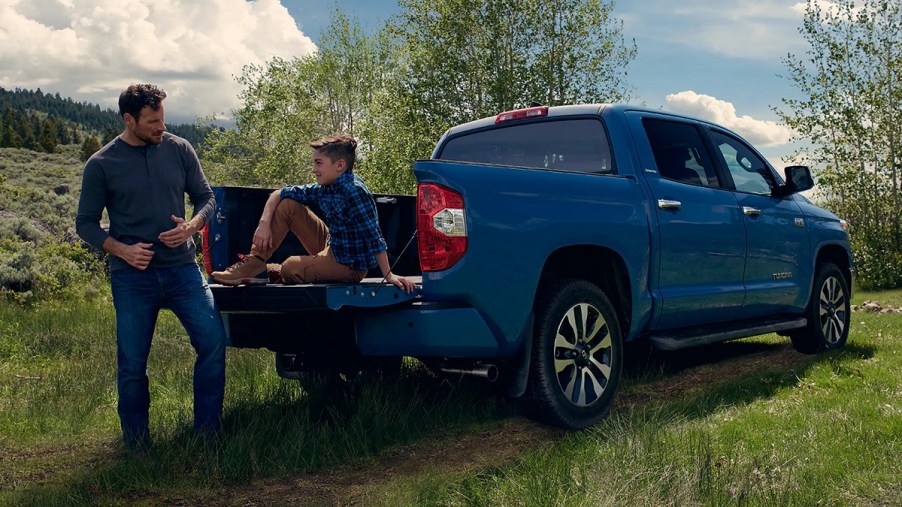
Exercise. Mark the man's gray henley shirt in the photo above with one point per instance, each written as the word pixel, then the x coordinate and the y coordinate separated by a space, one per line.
pixel 141 187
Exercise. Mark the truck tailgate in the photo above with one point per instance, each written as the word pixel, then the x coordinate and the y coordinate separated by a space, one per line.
pixel 369 293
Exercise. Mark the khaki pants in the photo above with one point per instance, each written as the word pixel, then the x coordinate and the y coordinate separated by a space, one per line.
pixel 320 265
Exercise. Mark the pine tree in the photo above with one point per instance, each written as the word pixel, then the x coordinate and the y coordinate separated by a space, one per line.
pixel 89 147
pixel 47 139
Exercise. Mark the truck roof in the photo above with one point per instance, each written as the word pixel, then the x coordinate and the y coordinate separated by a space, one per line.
pixel 571 110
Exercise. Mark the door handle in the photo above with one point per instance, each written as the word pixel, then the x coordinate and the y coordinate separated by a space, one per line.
pixel 668 204
pixel 752 212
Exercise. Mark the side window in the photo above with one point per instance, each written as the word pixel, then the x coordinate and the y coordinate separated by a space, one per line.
pixel 566 145
pixel 680 153
pixel 750 173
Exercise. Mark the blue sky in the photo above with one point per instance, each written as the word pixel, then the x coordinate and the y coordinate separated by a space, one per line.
pixel 707 58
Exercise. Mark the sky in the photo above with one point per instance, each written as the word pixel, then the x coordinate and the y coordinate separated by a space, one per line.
pixel 716 60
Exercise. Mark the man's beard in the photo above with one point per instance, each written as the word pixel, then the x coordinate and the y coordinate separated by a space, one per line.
pixel 150 139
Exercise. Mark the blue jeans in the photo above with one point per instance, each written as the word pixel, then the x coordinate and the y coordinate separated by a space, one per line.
pixel 138 297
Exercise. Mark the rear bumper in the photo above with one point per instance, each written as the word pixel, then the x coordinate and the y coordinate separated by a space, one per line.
pixel 426 330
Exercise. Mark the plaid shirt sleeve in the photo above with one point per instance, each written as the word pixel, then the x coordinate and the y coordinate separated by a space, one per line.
pixel 304 194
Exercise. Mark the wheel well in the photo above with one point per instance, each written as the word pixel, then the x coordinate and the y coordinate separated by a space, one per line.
pixel 837 255
pixel 596 264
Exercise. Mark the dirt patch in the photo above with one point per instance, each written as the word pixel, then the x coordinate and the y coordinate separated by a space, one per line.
pixel 23 466
pixel 695 370
pixel 353 483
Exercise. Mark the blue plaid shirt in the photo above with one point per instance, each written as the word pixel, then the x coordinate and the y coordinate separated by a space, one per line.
pixel 350 213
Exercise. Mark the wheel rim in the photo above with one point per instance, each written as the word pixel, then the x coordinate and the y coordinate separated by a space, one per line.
pixel 833 310
pixel 582 354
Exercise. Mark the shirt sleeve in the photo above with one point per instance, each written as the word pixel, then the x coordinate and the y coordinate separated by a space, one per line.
pixel 196 185
pixel 304 194
pixel 90 205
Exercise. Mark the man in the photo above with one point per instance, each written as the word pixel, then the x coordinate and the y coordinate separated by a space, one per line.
pixel 342 249
pixel 141 178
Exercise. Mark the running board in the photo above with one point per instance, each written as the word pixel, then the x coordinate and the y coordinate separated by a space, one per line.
pixel 682 340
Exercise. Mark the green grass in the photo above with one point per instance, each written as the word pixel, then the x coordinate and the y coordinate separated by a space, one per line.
pixel 827 432
pixel 59 430
pixel 802 430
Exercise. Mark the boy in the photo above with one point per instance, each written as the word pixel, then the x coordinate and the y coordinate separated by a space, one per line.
pixel 342 251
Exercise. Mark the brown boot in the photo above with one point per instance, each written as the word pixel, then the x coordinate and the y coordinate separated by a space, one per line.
pixel 249 270
pixel 275 273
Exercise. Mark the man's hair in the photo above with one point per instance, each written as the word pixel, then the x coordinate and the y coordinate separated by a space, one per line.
pixel 338 146
pixel 136 96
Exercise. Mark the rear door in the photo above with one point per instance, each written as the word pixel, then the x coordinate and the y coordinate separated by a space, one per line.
pixel 777 267
pixel 702 244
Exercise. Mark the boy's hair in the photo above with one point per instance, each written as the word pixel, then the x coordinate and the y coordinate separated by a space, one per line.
pixel 338 146
pixel 136 96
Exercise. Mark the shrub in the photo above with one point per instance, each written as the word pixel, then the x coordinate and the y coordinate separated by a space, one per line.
pixel 49 269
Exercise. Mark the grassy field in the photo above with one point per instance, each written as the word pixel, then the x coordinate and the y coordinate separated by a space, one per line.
pixel 743 423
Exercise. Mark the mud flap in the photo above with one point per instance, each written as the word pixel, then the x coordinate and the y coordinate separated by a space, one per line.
pixel 513 382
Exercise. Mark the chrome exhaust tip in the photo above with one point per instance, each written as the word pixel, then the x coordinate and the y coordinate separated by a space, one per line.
pixel 484 371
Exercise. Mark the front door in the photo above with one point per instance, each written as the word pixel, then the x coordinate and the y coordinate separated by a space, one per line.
pixel 777 267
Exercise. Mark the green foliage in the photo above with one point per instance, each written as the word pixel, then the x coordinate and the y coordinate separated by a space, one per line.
pixel 851 78
pixel 280 116
pixel 437 64
pixel 288 104
pixel 40 257
pixel 471 59
pixel 48 270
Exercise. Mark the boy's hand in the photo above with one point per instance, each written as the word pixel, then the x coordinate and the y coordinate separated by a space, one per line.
pixel 263 237
pixel 400 282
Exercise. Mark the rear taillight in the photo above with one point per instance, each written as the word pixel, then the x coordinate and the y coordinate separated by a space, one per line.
pixel 205 248
pixel 441 227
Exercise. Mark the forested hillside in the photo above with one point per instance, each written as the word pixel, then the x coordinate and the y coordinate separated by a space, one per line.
pixel 40 121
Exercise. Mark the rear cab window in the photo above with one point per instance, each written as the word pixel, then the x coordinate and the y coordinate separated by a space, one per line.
pixel 680 153
pixel 576 145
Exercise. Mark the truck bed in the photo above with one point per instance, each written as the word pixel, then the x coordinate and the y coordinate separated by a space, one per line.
pixel 278 298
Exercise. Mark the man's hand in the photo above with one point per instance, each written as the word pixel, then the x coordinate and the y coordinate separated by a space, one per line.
pixel 400 282
pixel 137 255
pixel 179 234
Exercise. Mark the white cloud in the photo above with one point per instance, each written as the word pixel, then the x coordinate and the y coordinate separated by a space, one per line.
pixel 92 49
pixel 761 133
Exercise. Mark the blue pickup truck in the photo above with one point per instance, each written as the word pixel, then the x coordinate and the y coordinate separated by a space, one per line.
pixel 543 240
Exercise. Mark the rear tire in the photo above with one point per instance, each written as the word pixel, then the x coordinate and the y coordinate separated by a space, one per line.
pixel 828 313
pixel 577 356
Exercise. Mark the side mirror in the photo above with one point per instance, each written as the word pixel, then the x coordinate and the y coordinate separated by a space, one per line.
pixel 798 179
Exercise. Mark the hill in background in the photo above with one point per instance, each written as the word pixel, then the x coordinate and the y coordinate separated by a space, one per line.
pixel 41 121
